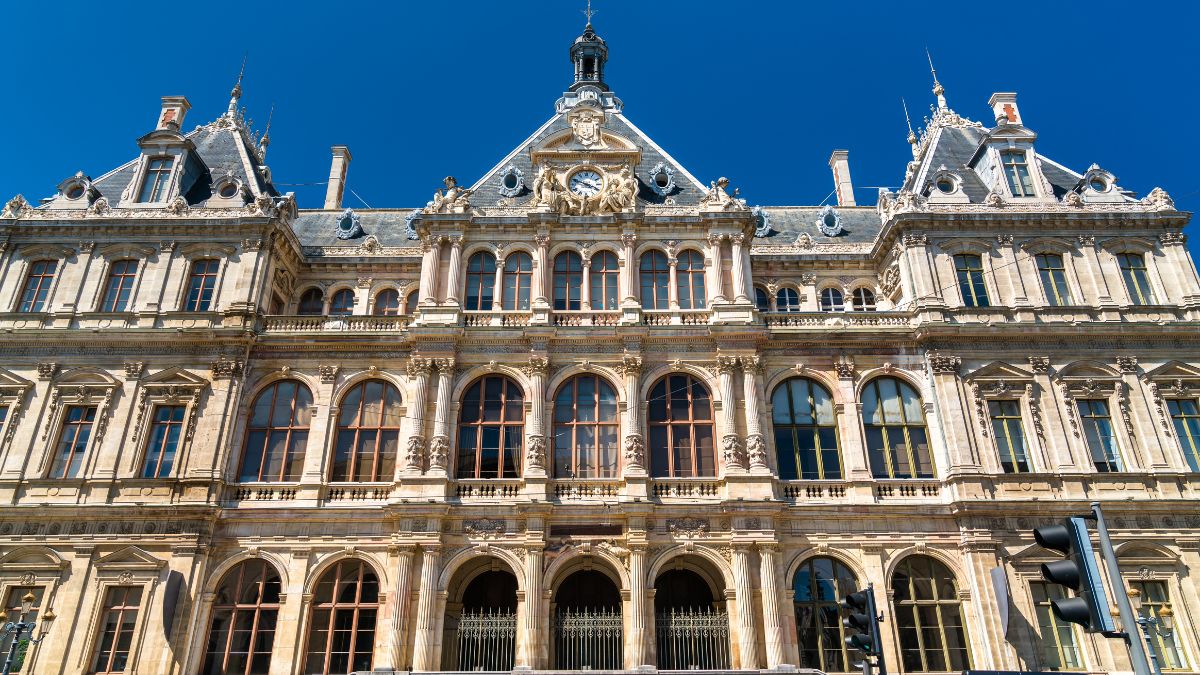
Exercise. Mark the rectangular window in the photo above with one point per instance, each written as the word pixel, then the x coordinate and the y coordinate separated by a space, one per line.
pixel 163 441
pixel 1059 649
pixel 969 269
pixel 121 276
pixel 1017 171
pixel 154 185
pixel 1098 429
pixel 117 623
pixel 1186 416
pixel 1054 279
pixel 1137 279
pixel 37 285
pixel 201 283
pixel 1010 437
pixel 13 607
pixel 73 441
pixel 1154 599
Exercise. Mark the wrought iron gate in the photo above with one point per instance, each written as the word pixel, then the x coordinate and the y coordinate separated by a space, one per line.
pixel 487 639
pixel 692 639
pixel 589 639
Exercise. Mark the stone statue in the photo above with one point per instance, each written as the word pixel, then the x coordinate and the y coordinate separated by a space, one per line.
pixel 547 191
pixel 536 453
pixel 635 450
pixel 619 192
pixel 733 451
pixel 716 196
pixel 414 456
pixel 454 200
pixel 756 449
pixel 439 452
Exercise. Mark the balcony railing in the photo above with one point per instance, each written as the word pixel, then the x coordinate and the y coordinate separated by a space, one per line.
pixel 839 319
pixel 344 324
pixel 504 319
pixel 586 489
pixel 487 488
pixel 261 493
pixel 908 490
pixel 809 491
pixel 356 493
pixel 586 318
pixel 688 487
pixel 676 317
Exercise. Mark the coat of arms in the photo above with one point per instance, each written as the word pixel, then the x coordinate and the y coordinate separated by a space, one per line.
pixel 585 124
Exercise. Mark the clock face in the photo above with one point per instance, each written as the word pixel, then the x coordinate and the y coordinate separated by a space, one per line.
pixel 586 183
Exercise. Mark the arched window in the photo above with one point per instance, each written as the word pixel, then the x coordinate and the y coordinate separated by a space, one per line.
pixel 787 300
pixel 819 586
pixel 585 429
pixel 244 611
pixel 201 284
pixel 929 617
pixel 863 299
pixel 518 280
pixel 277 433
pixel 491 429
pixel 1054 279
pixel 605 290
pixel 481 282
pixel 656 280
pixel 897 443
pixel 341 634
pixel 761 300
pixel 806 439
pixel 681 428
pixel 1137 278
pixel 312 303
pixel 342 303
pixel 387 302
pixel 568 281
pixel 368 433
pixel 37 285
pixel 411 302
pixel 832 300
pixel 689 277
pixel 969 268
pixel 121 275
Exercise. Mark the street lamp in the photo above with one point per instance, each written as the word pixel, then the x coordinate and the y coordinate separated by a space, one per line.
pixel 1163 621
pixel 20 626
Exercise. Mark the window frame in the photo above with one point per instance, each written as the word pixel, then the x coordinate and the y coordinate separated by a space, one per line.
pixel 291 429
pixel 518 280
pixel 782 303
pixel 659 277
pixel 885 435
pixel 503 434
pixel 357 607
pixel 185 304
pixel 692 275
pixel 45 282
pixel 603 278
pixel 691 422
pixel 864 299
pixel 1118 456
pixel 481 280
pixel 1138 297
pixel 1187 439
pixel 1055 296
pixel 180 425
pixel 258 610
pixel 831 299
pixel 379 473
pixel 567 279
pixel 67 393
pixel 938 603
pixel 1149 606
pixel 1010 167
pixel 161 188
pixel 379 308
pixel 168 388
pixel 135 631
pixel 1045 618
pixel 107 303
pixel 813 429
pixel 305 304
pixel 820 629
pixel 1009 420
pixel 341 293
pixel 596 424
pixel 975 284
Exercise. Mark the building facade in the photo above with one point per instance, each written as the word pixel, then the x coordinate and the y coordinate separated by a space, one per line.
pixel 590 412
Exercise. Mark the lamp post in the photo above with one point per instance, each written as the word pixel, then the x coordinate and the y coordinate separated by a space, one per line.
pixel 1163 622
pixel 20 626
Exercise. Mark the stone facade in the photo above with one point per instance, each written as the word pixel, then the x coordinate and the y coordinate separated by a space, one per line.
pixel 975 292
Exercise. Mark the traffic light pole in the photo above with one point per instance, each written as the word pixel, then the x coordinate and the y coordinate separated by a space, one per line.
pixel 1137 653
pixel 876 638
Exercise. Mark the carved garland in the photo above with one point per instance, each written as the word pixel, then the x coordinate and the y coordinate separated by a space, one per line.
pixel 14 398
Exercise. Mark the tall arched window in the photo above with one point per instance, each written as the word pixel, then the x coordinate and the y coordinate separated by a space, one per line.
pixel 277 433
pixel 312 303
pixel 832 300
pixel 787 300
pixel 341 633
pixel 244 611
pixel 681 428
pixel 929 617
pixel 656 280
pixel 368 433
pixel 819 586
pixel 518 280
pixel 605 290
pixel 689 277
pixel 387 302
pixel 410 302
pixel 585 429
pixel 761 300
pixel 863 299
pixel 491 429
pixel 806 440
pixel 342 303
pixel 568 281
pixel 481 282
pixel 897 443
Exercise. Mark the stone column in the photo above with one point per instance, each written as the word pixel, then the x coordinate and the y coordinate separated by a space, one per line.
pixel 322 419
pixel 530 643
pixel 740 273
pixel 418 370
pixel 431 245
pixel 773 623
pixel 1173 247
pixel 535 437
pixel 924 281
pixel 961 447
pixel 855 462
pixel 498 291
pixel 1087 245
pixel 454 279
pixel 628 287
pixel 439 447
pixel 673 282
pixel 633 452
pixel 540 269
pixel 747 630
pixel 404 570
pixel 756 445
pixel 585 288
pixel 425 656
pixel 732 449
pixel 635 642
pixel 1011 259
pixel 716 291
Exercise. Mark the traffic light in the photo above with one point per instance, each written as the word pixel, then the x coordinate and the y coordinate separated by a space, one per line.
pixel 862 618
pixel 1078 572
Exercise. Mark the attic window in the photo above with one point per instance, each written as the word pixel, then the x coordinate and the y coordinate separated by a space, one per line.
pixel 154 184
pixel 75 191
pixel 228 190
pixel 1016 169
pixel 1098 184
pixel 510 181
pixel 662 179
pixel 945 185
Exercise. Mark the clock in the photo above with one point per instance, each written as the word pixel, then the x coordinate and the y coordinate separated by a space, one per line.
pixel 586 183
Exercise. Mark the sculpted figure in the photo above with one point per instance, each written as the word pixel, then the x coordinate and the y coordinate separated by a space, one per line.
pixel 454 197
pixel 619 192
pixel 716 195
pixel 547 191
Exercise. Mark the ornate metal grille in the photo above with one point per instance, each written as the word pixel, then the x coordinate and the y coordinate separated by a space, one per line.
pixel 588 639
pixel 487 639
pixel 693 639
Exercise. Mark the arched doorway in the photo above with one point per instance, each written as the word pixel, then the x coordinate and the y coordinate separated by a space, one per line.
pixel 690 619
pixel 481 620
pixel 587 622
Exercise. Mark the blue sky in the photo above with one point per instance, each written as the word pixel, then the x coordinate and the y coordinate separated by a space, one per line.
pixel 760 92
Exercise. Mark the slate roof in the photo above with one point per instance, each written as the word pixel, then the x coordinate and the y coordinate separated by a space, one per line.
pixel 319 227
pixel 860 225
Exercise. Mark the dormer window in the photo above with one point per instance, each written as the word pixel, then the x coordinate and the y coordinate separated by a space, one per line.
pixel 1016 169
pixel 154 185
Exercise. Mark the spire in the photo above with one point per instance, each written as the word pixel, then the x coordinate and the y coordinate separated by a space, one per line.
pixel 589 53
pixel 938 89
pixel 236 94
pixel 266 138
pixel 912 138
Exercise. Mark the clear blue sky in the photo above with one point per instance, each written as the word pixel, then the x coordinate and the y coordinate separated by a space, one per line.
pixel 757 91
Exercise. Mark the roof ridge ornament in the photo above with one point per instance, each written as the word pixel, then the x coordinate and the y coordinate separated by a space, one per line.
pixel 938 89
pixel 236 93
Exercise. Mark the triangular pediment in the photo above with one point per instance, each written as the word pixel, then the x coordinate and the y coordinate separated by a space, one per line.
pixel 1174 370
pixel 175 375
pixel 10 379
pixel 999 370
pixel 130 557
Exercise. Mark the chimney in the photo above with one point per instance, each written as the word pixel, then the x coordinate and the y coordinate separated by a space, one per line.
pixel 839 161
pixel 1004 108
pixel 337 177
pixel 174 108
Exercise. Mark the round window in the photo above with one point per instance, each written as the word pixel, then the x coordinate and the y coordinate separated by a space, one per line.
pixel 945 185
pixel 346 225
pixel 228 190
pixel 1098 184
pixel 510 180
pixel 830 219
pixel 662 180
pixel 75 191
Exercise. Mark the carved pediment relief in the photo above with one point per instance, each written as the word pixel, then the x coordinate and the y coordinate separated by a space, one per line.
pixel 175 376
pixel 999 378
pixel 130 558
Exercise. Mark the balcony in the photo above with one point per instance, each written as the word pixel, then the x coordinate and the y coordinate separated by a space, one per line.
pixel 261 492
pixel 586 318
pixel 807 491
pixel 824 320
pixel 929 491
pixel 586 489
pixel 505 319
pixel 355 493
pixel 282 325
pixel 488 489
pixel 676 317
pixel 688 488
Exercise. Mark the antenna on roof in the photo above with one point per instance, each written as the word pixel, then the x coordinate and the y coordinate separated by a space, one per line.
pixel 237 89
pixel 938 89
pixel 266 139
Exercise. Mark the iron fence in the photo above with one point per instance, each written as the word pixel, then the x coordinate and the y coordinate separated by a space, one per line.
pixel 692 638
pixel 588 638
pixel 487 639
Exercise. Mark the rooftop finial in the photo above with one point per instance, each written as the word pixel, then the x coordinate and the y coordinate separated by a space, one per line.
pixel 938 89
pixel 266 138
pixel 912 138
pixel 588 13
pixel 237 89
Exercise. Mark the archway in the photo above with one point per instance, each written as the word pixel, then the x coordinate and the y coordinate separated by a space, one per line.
pixel 690 619
pixel 587 623
pixel 480 630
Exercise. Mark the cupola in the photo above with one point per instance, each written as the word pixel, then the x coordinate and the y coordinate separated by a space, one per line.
pixel 588 53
